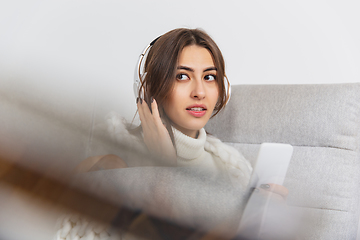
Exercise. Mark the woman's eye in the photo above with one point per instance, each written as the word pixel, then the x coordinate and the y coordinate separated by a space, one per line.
pixel 210 77
pixel 182 76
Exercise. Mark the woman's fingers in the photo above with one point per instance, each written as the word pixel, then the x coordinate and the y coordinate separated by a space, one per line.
pixel 146 116
pixel 154 108
pixel 275 188
pixel 148 120
pixel 143 110
pixel 156 114
pixel 140 109
pixel 109 161
pixel 100 162
pixel 156 136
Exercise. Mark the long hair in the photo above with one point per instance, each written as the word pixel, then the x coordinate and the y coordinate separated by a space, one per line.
pixel 161 63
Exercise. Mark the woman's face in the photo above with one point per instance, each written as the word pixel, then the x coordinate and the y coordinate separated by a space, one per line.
pixel 195 91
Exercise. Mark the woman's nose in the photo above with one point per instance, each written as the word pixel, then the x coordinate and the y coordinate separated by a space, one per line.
pixel 198 90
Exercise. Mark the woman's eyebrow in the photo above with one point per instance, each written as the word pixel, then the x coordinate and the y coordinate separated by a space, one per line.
pixel 210 69
pixel 185 68
pixel 192 70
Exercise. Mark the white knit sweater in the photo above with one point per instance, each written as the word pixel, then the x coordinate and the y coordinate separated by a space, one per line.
pixel 210 153
pixel 206 152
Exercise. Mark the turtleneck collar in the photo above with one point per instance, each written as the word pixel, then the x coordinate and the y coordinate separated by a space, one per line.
pixel 189 148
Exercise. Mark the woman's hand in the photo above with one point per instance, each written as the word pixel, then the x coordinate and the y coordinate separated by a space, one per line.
pixel 280 191
pixel 102 162
pixel 266 215
pixel 156 136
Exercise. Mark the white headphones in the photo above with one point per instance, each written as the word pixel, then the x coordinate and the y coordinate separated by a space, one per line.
pixel 139 75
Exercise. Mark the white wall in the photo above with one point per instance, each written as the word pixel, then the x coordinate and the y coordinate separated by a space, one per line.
pixel 75 55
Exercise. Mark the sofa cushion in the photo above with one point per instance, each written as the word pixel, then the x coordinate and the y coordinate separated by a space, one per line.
pixel 301 115
pixel 322 122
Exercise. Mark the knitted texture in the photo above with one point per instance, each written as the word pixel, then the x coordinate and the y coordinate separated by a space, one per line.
pixel 237 166
pixel 74 227
pixel 116 127
pixel 205 151
pixel 191 152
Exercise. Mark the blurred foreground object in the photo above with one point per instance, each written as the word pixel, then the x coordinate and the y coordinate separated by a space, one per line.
pixel 320 121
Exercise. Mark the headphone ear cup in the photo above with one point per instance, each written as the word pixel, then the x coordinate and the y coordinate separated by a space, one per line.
pixel 138 84
pixel 227 89
pixel 143 75
pixel 136 87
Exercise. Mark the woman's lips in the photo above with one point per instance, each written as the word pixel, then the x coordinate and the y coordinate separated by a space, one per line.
pixel 197 113
pixel 197 110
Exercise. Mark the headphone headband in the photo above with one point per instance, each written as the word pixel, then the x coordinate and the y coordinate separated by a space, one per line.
pixel 153 42
pixel 138 76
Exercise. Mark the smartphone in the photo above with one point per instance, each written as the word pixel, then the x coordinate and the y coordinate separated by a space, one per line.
pixel 271 164
pixel 270 167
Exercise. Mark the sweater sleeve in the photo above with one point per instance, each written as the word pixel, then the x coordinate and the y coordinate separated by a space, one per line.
pixel 238 168
pixel 116 127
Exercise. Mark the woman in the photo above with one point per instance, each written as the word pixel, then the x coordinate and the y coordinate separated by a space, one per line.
pixel 184 85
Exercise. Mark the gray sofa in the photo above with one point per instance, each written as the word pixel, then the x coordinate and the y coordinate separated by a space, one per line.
pixel 322 122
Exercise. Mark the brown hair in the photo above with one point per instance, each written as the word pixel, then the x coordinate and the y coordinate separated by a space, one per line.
pixel 161 63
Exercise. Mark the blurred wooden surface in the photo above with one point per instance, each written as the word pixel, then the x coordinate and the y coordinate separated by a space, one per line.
pixel 31 196
pixel 59 194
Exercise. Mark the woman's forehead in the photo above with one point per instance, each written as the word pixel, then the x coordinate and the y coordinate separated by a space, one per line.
pixel 195 56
